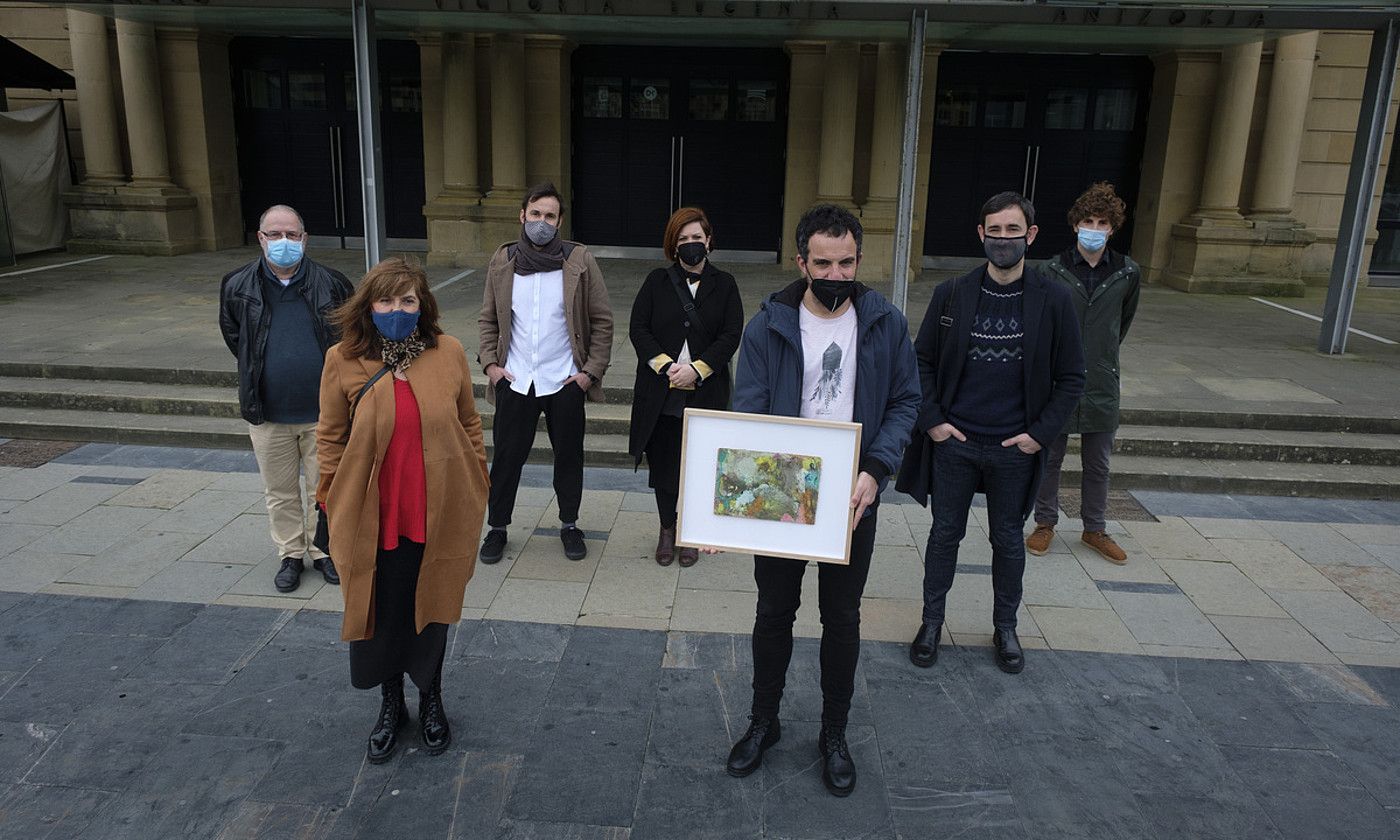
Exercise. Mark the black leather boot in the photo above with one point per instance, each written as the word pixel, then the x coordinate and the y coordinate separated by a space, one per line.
pixel 1008 651
pixel 392 714
pixel 437 735
pixel 923 651
pixel 838 770
pixel 747 754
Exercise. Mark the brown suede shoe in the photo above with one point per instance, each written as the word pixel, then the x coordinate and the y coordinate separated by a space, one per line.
pixel 1104 544
pixel 666 547
pixel 1038 542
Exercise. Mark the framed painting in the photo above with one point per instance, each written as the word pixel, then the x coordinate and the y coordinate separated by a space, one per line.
pixel 758 484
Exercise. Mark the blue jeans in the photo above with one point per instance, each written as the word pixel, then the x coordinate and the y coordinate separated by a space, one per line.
pixel 960 469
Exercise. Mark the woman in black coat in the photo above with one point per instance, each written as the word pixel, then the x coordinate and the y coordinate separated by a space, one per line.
pixel 686 324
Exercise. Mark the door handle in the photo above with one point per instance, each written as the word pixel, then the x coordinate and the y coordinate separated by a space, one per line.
pixel 671 205
pixel 335 176
pixel 339 179
pixel 1035 173
pixel 1026 173
pixel 680 177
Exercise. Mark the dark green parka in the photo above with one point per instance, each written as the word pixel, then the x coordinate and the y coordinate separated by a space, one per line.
pixel 1104 318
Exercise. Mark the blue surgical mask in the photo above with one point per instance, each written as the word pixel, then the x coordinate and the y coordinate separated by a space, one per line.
pixel 284 253
pixel 396 325
pixel 1093 240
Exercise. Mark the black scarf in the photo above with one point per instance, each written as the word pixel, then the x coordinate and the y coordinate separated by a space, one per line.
pixel 532 260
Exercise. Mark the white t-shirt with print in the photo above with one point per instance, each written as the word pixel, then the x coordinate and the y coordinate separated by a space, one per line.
pixel 829 365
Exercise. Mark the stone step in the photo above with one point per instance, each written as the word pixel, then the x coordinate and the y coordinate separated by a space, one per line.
pixel 111 396
pixel 1130 472
pixel 617 388
pixel 601 450
pixel 1192 475
pixel 1257 445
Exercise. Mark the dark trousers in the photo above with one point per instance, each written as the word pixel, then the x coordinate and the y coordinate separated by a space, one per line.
pixel 397 647
pixel 1005 474
pixel 664 467
pixel 838 592
pixel 1095 450
pixel 513 433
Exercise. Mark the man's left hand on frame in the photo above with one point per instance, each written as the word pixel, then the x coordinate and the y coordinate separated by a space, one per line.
pixel 1023 442
pixel 866 489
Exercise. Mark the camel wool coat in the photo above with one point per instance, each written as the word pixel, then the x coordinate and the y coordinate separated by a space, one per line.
pixel 454 462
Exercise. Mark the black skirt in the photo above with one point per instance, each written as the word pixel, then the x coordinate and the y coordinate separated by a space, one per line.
pixel 396 648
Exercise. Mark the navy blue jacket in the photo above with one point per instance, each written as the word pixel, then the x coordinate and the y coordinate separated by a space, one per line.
pixel 768 379
pixel 1053 379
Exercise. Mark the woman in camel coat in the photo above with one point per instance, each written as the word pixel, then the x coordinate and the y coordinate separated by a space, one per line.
pixel 404 486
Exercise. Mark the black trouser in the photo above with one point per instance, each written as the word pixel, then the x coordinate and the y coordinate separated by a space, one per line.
pixel 513 433
pixel 779 595
pixel 664 466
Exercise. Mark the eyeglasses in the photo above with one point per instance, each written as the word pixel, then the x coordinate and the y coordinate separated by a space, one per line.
pixel 274 235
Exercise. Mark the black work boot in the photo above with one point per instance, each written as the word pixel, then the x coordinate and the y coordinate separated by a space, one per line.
pixel 1008 651
pixel 432 717
pixel 392 714
pixel 746 755
pixel 838 770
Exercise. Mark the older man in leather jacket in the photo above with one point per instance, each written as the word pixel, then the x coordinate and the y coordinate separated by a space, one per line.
pixel 274 314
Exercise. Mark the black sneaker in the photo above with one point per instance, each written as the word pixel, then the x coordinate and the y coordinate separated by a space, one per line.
pixel 574 547
pixel 289 576
pixel 493 547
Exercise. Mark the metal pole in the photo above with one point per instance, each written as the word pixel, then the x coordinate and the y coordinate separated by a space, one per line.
pixel 1361 187
pixel 367 112
pixel 908 157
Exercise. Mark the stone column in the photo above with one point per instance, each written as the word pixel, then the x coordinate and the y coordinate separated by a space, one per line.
pixel 803 134
pixel 145 114
pixel 838 122
pixel 507 119
pixel 546 110
pixel 459 169
pixel 886 146
pixel 102 153
pixel 1290 88
pixel 1229 136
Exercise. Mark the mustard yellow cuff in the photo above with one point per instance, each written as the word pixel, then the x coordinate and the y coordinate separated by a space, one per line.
pixel 703 369
pixel 659 362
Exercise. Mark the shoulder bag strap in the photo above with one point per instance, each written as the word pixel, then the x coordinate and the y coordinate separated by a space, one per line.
pixel 355 404
pixel 687 300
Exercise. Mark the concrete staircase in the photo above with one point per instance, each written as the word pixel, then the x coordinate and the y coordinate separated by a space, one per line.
pixel 1194 451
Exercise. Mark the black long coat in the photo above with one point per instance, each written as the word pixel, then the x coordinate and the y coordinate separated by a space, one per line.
pixel 660 326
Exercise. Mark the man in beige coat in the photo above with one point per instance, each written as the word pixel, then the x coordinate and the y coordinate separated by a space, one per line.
pixel 546 339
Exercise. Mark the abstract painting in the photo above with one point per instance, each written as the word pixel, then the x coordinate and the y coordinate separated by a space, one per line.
pixel 775 486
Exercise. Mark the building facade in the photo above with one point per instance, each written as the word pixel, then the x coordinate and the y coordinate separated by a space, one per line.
pixel 1230 134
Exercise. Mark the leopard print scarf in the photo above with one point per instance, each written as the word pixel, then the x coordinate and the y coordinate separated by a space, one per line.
pixel 398 355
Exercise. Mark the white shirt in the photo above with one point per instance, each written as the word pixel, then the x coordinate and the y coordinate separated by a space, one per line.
pixel 540 353
pixel 828 365
pixel 684 357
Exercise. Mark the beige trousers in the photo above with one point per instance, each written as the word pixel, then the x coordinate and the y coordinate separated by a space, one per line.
pixel 284 451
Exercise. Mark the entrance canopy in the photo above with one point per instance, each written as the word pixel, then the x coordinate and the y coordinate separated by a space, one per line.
pixel 1132 27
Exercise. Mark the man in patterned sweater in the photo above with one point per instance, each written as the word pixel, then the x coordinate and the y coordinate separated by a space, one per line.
pixel 1001 368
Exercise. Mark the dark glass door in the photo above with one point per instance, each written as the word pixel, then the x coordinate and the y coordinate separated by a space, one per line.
pixel 298 137
pixel 1045 126
pixel 1385 257
pixel 652 134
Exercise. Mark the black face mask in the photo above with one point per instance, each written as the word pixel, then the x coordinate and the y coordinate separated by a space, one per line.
pixel 1004 251
pixel 691 253
pixel 831 293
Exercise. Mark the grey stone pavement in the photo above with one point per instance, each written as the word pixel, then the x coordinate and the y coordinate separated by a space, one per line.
pixel 1239 678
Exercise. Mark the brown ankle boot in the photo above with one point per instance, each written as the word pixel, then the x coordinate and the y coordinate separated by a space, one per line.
pixel 666 547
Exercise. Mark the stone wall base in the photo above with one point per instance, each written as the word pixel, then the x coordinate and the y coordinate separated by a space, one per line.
pixel 1238 256
pixel 130 220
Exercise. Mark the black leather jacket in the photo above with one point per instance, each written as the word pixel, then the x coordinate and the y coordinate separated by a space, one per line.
pixel 244 321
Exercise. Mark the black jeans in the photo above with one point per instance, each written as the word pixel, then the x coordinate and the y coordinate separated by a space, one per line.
pixel 1005 474
pixel 513 433
pixel 664 467
pixel 779 595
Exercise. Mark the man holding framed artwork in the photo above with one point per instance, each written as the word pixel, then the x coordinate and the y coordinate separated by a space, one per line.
pixel 826 347
pixel 1001 369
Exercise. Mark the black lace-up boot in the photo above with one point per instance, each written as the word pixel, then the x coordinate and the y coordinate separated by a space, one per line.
pixel 437 735
pixel 392 714
pixel 838 770
pixel 747 754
